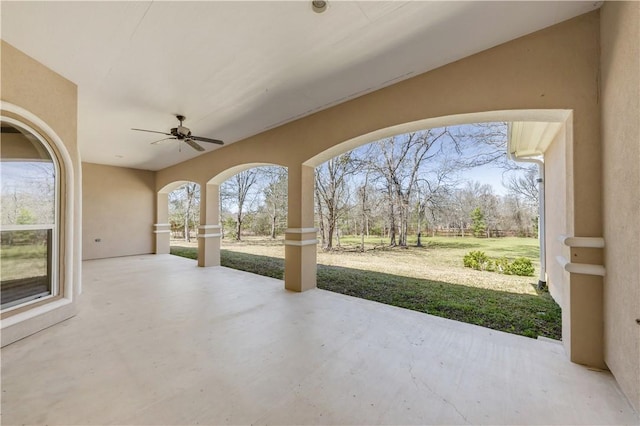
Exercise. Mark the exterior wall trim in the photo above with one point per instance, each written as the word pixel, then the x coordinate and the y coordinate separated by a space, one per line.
pixel 301 230
pixel 581 268
pixel 582 242
pixel 300 243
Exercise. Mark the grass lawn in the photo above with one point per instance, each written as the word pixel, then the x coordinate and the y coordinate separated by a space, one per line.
pixel 439 260
pixel 406 278
pixel 23 261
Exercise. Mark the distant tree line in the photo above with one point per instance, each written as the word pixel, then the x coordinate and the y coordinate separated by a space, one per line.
pixel 402 186
pixel 411 184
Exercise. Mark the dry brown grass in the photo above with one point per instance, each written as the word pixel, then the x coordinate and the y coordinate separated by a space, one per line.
pixel 437 261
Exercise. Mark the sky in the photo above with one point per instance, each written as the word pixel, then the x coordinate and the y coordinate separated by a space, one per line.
pixel 491 174
pixel 487 175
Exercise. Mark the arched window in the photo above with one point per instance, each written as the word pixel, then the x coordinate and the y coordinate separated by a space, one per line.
pixel 30 223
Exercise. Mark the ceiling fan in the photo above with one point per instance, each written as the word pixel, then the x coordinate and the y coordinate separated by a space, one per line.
pixel 182 133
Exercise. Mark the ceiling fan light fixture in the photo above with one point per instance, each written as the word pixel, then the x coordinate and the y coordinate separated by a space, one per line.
pixel 182 133
pixel 319 6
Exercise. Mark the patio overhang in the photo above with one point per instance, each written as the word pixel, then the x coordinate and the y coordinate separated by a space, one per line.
pixel 530 139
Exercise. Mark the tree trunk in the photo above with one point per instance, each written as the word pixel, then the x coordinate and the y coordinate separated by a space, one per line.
pixel 273 227
pixel 323 236
pixel 238 227
pixel 330 231
pixel 392 234
pixel 364 218
pixel 392 223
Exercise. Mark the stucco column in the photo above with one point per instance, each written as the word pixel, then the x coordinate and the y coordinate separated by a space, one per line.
pixel 300 236
pixel 209 231
pixel 161 229
pixel 585 343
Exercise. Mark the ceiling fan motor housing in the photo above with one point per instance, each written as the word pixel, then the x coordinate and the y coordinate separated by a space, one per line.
pixel 181 132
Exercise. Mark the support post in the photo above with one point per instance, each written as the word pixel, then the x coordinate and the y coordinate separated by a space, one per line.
pixel 209 234
pixel 161 229
pixel 300 237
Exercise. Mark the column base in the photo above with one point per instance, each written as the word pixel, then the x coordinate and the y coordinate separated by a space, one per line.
pixel 162 237
pixel 209 245
pixel 300 254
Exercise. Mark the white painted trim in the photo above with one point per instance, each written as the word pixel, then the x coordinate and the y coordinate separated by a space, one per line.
pixel 25 301
pixel 166 231
pixel 26 227
pixel 161 224
pixel 581 268
pixel 301 230
pixel 583 242
pixel 78 230
pixel 300 243
pixel 204 227
pixel 209 235
pixel 32 313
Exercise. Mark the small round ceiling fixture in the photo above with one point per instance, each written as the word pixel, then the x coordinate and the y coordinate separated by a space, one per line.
pixel 319 6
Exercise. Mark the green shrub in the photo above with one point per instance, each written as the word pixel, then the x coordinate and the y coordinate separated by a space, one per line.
pixel 476 260
pixel 480 261
pixel 491 266
pixel 521 266
pixel 503 266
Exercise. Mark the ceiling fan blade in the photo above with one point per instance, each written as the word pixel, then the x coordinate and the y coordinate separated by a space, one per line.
pixel 194 145
pixel 163 139
pixel 153 131
pixel 201 139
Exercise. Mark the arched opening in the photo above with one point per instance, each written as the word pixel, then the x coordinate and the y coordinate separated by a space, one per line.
pixel 253 203
pixel 438 220
pixel 253 215
pixel 184 212
pixel 162 227
pixel 524 136
pixel 245 202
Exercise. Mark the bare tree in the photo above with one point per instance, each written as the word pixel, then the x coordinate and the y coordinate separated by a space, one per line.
pixel 239 189
pixel 524 185
pixel 191 191
pixel 480 144
pixel 183 208
pixel 331 190
pixel 320 214
pixel 363 196
pixel 402 158
pixel 275 196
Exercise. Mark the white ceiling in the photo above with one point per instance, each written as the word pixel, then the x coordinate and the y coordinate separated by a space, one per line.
pixel 238 68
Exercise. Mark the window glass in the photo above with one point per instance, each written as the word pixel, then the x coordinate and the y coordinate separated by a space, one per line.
pixel 29 176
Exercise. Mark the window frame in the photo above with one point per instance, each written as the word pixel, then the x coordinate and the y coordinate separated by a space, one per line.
pixel 54 258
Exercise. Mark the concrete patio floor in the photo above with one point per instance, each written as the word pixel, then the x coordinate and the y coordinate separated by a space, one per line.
pixel 159 341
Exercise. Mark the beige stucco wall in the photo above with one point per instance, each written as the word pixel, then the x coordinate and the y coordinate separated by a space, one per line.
pixel 118 209
pixel 553 68
pixel 620 94
pixel 556 183
pixel 29 85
